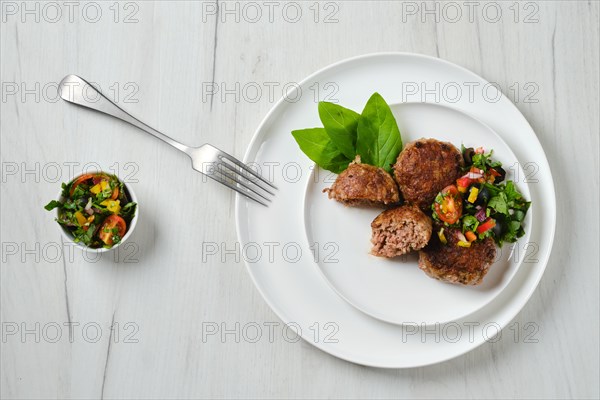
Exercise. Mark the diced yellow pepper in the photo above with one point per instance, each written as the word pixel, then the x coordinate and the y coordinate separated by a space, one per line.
pixel 462 189
pixel 473 195
pixel 464 244
pixel 442 236
pixel 114 206
pixel 99 187
pixel 81 220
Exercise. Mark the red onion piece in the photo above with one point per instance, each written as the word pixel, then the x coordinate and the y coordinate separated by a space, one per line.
pixel 473 175
pixel 481 215
pixel 88 207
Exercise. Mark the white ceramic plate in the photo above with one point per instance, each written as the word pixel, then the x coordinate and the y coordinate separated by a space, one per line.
pixel 292 282
pixel 387 289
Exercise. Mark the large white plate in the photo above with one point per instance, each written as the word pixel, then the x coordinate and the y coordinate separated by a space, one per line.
pixel 289 278
pixel 396 290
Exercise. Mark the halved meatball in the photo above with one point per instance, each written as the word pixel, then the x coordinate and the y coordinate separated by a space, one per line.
pixel 399 231
pixel 455 264
pixel 363 184
pixel 424 168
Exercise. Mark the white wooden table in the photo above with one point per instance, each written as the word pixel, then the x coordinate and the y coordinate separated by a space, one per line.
pixel 167 291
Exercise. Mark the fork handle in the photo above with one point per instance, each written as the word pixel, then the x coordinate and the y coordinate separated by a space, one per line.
pixel 75 89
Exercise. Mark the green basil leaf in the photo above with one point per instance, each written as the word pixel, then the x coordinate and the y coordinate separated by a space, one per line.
pixel 128 211
pixel 79 192
pixel 493 189
pixel 498 203
pixel 52 205
pixel 340 124
pixel 511 191
pixel 519 215
pixel 65 189
pixel 378 140
pixel 317 146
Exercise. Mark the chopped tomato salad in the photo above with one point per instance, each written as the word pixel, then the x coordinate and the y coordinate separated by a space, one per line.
pixel 448 205
pixel 95 209
pixel 481 204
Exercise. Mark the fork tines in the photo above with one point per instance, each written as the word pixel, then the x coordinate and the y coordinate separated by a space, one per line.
pixel 237 176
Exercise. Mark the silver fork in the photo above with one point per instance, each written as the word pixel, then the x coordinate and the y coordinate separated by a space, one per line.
pixel 206 159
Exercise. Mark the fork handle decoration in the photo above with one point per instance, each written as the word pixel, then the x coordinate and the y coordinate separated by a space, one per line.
pixel 227 170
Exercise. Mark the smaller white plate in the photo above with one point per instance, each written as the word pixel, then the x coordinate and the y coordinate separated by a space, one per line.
pixel 396 290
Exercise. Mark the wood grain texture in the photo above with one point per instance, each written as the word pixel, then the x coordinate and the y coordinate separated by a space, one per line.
pixel 167 292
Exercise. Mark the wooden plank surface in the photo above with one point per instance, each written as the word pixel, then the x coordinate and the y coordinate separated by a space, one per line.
pixel 159 59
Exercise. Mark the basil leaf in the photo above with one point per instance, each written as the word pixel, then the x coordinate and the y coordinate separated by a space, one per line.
pixel 79 192
pixel 493 189
pixel 484 161
pixel 317 146
pixel 519 215
pixel 498 203
pixel 52 205
pixel 128 211
pixel 340 124
pixel 378 140
pixel 511 191
pixel 65 189
pixel 90 233
pixel 512 231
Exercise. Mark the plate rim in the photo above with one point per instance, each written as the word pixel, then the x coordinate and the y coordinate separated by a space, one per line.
pixel 520 303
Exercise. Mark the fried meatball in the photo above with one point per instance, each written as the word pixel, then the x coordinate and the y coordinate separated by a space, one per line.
pixel 399 231
pixel 424 168
pixel 363 184
pixel 455 264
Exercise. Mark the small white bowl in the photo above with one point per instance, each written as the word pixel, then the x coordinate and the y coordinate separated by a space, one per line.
pixel 132 197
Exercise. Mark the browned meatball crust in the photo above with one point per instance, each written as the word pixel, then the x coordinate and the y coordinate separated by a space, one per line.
pixel 455 264
pixel 363 184
pixel 424 168
pixel 400 230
